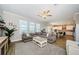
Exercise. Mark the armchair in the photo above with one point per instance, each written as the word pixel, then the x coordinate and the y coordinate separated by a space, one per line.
pixel 26 38
pixel 51 38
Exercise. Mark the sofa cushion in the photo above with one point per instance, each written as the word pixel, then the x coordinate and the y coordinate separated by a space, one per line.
pixel 27 34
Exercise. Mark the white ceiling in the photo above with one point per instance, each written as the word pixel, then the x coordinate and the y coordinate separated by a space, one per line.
pixel 60 12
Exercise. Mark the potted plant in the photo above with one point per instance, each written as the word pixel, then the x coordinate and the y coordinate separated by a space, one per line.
pixel 9 33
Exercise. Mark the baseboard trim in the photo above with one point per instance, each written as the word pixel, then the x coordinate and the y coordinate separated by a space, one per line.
pixel 17 41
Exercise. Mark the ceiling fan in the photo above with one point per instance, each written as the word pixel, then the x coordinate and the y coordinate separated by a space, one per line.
pixel 44 14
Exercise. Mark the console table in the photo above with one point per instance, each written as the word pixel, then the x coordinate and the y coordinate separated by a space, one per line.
pixel 3 45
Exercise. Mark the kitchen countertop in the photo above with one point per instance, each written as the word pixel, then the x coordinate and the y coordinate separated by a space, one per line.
pixel 2 39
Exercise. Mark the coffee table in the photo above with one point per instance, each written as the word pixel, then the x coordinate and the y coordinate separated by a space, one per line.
pixel 40 41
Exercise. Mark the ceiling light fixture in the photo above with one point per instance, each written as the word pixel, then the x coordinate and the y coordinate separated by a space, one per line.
pixel 44 14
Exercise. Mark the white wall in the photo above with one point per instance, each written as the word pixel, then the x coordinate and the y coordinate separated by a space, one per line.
pixel 44 25
pixel 77 32
pixel 14 18
pixel 76 17
pixel 0 12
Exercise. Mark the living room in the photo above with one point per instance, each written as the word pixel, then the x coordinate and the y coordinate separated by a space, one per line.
pixel 40 29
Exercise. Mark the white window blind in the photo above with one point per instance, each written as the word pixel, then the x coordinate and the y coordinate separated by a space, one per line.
pixel 23 26
pixel 37 27
pixel 31 27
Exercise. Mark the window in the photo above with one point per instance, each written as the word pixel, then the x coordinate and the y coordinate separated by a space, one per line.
pixel 31 27
pixel 37 27
pixel 23 26
pixel 28 27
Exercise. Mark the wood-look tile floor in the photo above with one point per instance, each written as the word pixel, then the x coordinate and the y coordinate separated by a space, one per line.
pixel 61 42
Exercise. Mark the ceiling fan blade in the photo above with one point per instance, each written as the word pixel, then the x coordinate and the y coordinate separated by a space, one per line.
pixel 48 11
pixel 49 15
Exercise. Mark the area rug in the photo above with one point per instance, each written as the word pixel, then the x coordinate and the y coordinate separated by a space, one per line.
pixel 29 48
